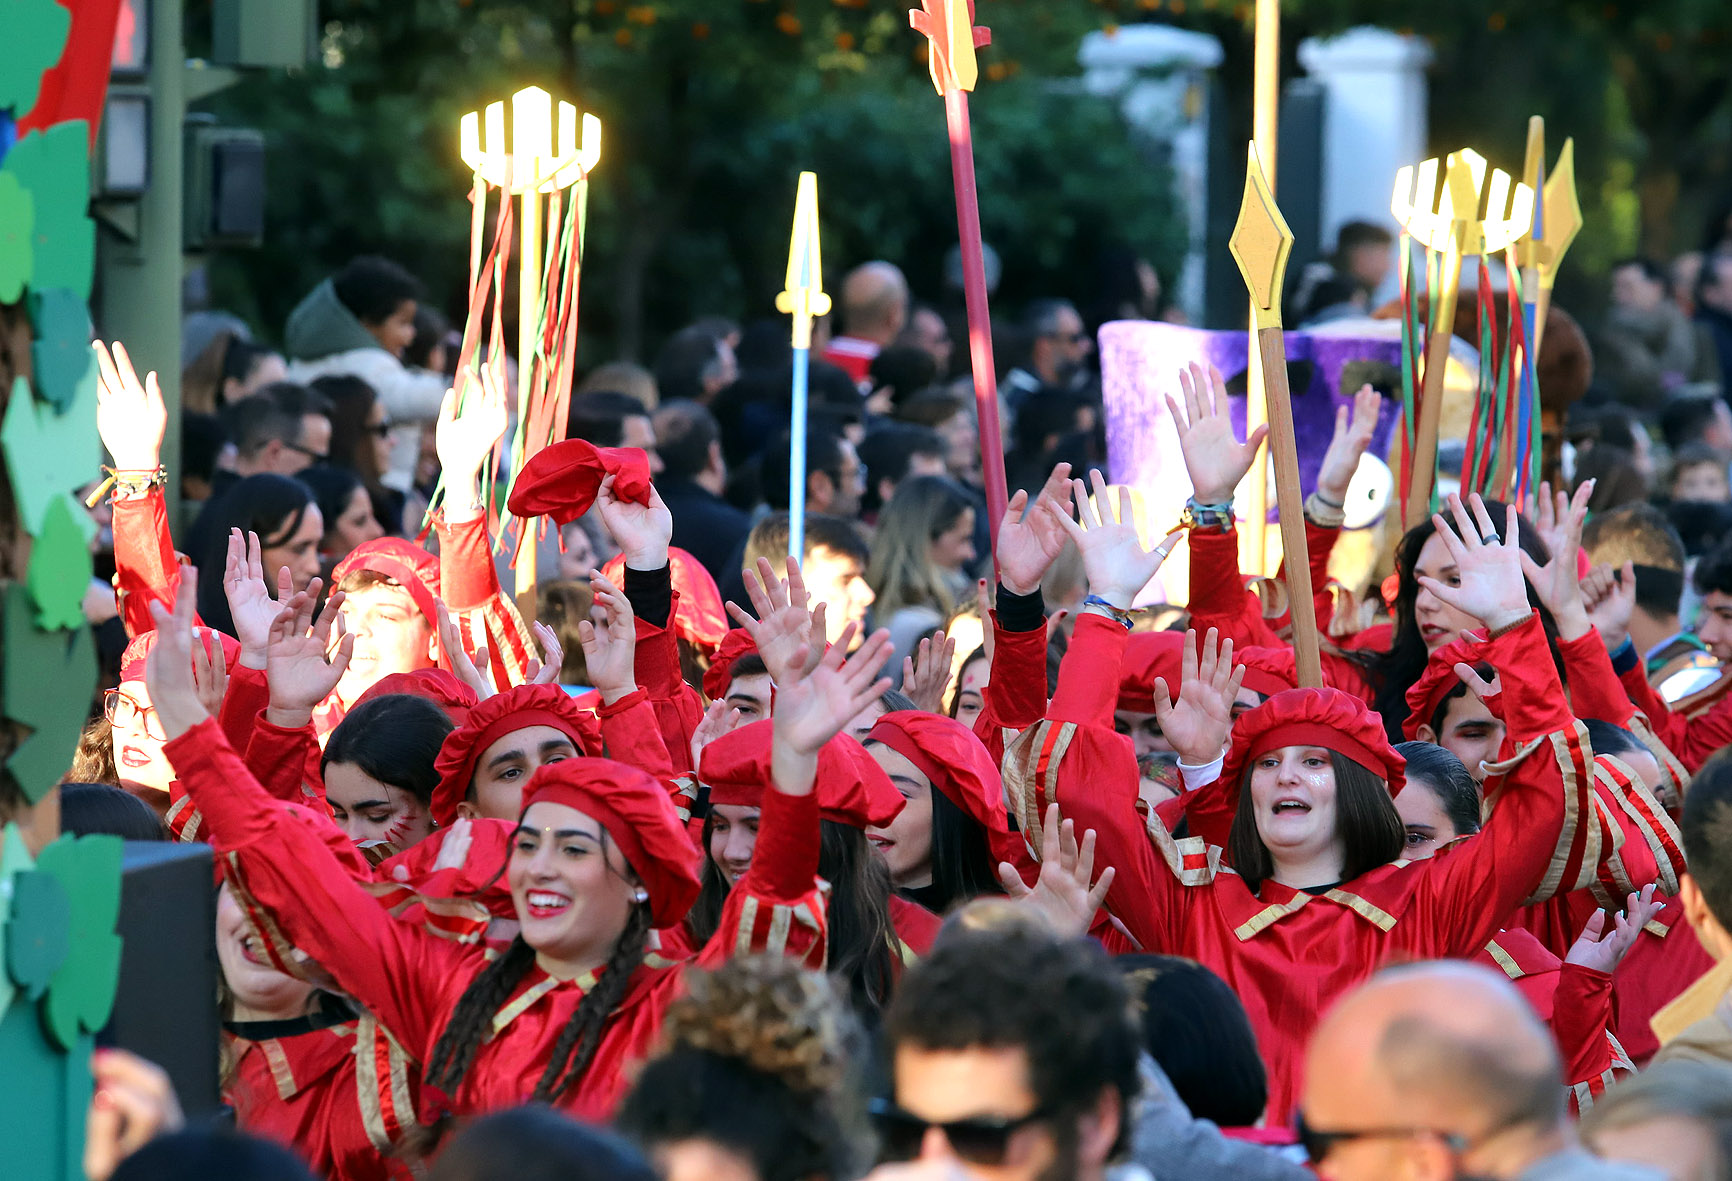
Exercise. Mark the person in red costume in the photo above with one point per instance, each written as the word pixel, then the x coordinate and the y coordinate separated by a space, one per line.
pixel 599 860
pixel 1316 895
pixel 136 731
pixel 1440 805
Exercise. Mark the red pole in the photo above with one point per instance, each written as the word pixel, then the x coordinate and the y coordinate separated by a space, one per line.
pixel 979 316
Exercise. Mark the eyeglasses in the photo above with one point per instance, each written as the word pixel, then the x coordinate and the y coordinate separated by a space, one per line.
pixel 317 457
pixel 980 1140
pixel 1318 1144
pixel 123 711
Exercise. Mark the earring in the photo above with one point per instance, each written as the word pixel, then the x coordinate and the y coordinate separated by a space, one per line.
pixel 640 896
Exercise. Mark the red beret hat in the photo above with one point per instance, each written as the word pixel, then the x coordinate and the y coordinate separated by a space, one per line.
pixel 959 765
pixel 561 480
pixel 1268 670
pixel 852 788
pixel 735 645
pixel 443 689
pixel 402 561
pixel 639 817
pixel 515 709
pixel 1437 682
pixel 138 651
pixel 1149 655
pixel 1328 718
pixel 700 618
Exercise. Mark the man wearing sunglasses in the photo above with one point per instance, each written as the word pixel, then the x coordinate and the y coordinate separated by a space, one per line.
pixel 1014 1058
pixel 1441 1071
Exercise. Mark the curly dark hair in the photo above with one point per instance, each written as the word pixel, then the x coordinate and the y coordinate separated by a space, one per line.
pixel 1016 984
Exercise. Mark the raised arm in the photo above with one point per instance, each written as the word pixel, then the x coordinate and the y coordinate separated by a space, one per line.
pixel 628 722
pixel 131 418
pixel 1030 539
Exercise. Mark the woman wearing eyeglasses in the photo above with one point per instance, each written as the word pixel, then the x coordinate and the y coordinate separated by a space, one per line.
pixel 136 731
pixel 1309 896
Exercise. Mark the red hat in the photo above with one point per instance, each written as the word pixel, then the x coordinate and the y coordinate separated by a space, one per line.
pixel 852 788
pixel 639 817
pixel 561 480
pixel 1268 670
pixel 1149 655
pixel 515 709
pixel 435 684
pixel 948 753
pixel 1312 717
pixel 402 561
pixel 735 645
pixel 138 651
pixel 1437 682
pixel 701 618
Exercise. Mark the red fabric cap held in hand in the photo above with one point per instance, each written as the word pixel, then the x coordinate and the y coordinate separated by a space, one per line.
pixel 517 708
pixel 852 788
pixel 1437 682
pixel 736 644
pixel 404 562
pixel 1328 718
pixel 639 817
pixel 701 618
pixel 560 481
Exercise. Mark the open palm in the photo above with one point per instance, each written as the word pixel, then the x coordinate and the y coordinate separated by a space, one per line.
pixel 1030 541
pixel 465 438
pixel 130 415
pixel 1489 584
pixel 1214 457
pixel 814 706
pixel 784 628
pixel 1197 723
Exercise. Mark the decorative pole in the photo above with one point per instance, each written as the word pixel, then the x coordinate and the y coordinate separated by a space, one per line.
pixel 1265 113
pixel 532 169
pixel 1260 245
pixel 1557 218
pixel 804 299
pixel 949 26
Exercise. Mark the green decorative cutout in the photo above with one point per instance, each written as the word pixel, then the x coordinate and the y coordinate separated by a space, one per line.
pixel 81 994
pixel 60 566
pixel 35 35
pixel 48 454
pixel 47 1094
pixel 45 684
pixel 14 858
pixel 60 324
pixel 39 934
pixel 17 221
pixel 55 166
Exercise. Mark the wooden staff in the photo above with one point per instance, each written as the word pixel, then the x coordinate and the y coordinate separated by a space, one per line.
pixel 1260 245
pixel 1265 112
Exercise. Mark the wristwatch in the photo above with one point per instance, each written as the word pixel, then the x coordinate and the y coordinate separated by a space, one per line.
pixel 1206 516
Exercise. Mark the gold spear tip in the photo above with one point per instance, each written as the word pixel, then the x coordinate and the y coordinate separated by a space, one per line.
pixel 1261 243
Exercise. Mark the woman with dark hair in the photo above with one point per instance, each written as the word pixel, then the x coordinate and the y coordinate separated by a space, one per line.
pixel 754 1082
pixel 1318 894
pixel 361 442
pixel 87 808
pixel 289 525
pixel 599 859
pixel 379 771
pixel 1196 1029
pixel 535 1144
pixel 348 512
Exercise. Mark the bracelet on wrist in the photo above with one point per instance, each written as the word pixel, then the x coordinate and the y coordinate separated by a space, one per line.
pixel 1509 627
pixel 127 482
pixel 1322 511
pixel 1198 515
pixel 1118 613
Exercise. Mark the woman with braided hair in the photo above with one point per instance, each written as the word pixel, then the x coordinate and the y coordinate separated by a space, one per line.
pixel 598 861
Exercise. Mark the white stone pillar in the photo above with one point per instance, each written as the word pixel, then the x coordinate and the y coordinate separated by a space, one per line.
pixel 1374 122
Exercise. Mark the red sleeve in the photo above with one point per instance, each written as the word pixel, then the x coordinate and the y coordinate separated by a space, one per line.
pixel 1204 811
pixel 678 708
pixel 469 584
pixel 629 727
pixel 286 763
pixel 1581 1023
pixel 1218 597
pixel 1319 544
pixel 1016 687
pixel 778 907
pixel 1088 679
pixel 301 895
pixel 146 568
pixel 1596 694
pixel 248 693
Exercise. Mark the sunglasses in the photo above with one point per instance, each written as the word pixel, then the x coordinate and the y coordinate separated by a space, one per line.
pixel 317 457
pixel 1318 1144
pixel 980 1140
pixel 124 712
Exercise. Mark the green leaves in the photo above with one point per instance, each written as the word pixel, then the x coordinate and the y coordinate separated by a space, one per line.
pixel 45 685
pixel 81 992
pixel 17 223
pixel 35 34
pixel 60 565
pixel 39 933
pixel 54 165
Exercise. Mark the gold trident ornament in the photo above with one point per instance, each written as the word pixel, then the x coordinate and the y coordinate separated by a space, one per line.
pixel 533 166
pixel 1260 244
pixel 1449 224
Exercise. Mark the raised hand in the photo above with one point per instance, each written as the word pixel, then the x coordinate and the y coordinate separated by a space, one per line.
pixel 1114 559
pixel 477 671
pixel 1066 893
pixel 814 705
pixel 1215 459
pixel 1611 596
pixel 1489 572
pixel 609 639
pixel 465 441
pixel 537 672
pixel 210 674
pixel 1348 445
pixel 787 629
pixel 641 531
pixel 926 674
pixel 719 719
pixel 130 415
pixel 304 663
pixel 1485 691
pixel 250 600
pixel 174 691
pixel 1557 583
pixel 1597 948
pixel 1198 722
pixel 1029 542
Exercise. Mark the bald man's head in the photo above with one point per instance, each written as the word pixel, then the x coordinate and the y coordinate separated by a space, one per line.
pixel 874 302
pixel 1447 1048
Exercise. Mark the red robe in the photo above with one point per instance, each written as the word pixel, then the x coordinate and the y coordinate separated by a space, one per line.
pixel 411 979
pixel 1667 959
pixel 1289 953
